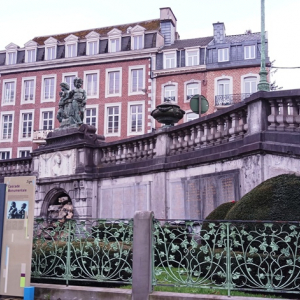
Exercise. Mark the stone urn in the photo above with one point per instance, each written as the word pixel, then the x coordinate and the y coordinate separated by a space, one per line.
pixel 167 113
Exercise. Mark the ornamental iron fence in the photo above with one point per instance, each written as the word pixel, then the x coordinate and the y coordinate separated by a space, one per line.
pixel 98 250
pixel 236 255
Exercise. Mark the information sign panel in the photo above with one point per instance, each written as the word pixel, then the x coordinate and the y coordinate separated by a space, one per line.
pixel 17 235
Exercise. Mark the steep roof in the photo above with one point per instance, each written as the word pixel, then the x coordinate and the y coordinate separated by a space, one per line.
pixel 148 25
pixel 197 42
pixel 231 39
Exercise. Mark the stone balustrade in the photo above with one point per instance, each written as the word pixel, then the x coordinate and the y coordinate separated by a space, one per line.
pixel 15 167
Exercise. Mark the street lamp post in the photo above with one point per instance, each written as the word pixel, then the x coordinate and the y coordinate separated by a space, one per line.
pixel 263 84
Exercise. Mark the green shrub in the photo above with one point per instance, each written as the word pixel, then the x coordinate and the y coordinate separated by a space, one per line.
pixel 276 199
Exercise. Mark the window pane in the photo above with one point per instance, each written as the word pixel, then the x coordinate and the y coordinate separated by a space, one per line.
pixel 136 118
pixel 113 119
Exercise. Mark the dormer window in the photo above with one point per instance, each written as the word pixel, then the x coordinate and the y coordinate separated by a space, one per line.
pixel 12 58
pixel 51 48
pixel 223 54
pixel 249 52
pixel 137 37
pixel 11 54
pixel 31 49
pixel 169 60
pixel 192 57
pixel 114 40
pixel 71 46
pixel 92 43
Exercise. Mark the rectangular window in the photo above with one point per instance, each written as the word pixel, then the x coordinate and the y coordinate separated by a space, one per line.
pixel 4 155
pixel 223 87
pixel 114 45
pixel 91 116
pixel 9 92
pixel 91 84
pixel 169 93
pixel 191 90
pixel 24 153
pixel 92 48
pixel 249 52
pixel 47 120
pixel 136 118
pixel 137 80
pixel 51 53
pixel 170 60
pixel 137 42
pixel 192 58
pixel 26 125
pixel 28 90
pixel 31 56
pixel 114 82
pixel 7 123
pixel 113 118
pixel 223 54
pixel 71 50
pixel 70 81
pixel 49 88
pixel 12 58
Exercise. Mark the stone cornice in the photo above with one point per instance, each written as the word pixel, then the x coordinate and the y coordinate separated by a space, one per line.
pixel 78 61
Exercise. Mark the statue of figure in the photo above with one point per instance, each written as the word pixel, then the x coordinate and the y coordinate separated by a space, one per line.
pixel 56 168
pixel 78 96
pixel 64 96
pixel 71 104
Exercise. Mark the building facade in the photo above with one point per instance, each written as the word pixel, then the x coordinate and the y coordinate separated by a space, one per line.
pixel 127 71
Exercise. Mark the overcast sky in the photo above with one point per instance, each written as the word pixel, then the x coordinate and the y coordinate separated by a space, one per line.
pixel 22 20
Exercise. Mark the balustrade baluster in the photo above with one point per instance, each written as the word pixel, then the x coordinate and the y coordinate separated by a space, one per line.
pixel 292 114
pixel 233 131
pixel 204 137
pixel 199 134
pixel 192 139
pixel 124 153
pixel 298 114
pixel 129 152
pixel 185 141
pixel 219 131
pixel 242 114
pixel 281 117
pixel 272 116
pixel 180 141
pixel 211 133
pixel 135 150
pixel 227 126
pixel 173 147
pixel 150 151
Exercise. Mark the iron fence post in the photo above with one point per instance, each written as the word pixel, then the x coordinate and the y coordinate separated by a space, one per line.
pixel 228 259
pixel 68 253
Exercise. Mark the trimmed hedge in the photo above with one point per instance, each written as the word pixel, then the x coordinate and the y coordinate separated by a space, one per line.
pixel 276 199
pixel 220 212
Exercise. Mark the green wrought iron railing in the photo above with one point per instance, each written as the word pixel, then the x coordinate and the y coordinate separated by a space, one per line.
pixel 234 255
pixel 86 250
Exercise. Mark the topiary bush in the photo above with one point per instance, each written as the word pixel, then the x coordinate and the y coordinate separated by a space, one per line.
pixel 276 199
pixel 221 211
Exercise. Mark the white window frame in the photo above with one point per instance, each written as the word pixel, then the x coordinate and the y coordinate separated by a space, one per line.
pixel 19 149
pixel 10 49
pixel 107 94
pixel 85 82
pixel 187 113
pixel 29 57
pixel 92 37
pixel 43 87
pixel 23 101
pixel 25 111
pixel 129 104
pixel 187 51
pixel 130 79
pixel 163 91
pixel 114 34
pixel 6 150
pixel 70 41
pixel 53 51
pixel 192 81
pixel 14 80
pixel 64 75
pixel 137 32
pixel 216 89
pixel 247 48
pixel 166 60
pixel 94 106
pixel 50 43
pixel 141 44
pixel 107 105
pixel 41 121
pixel 243 77
pixel 14 61
pixel 3 113
pixel 223 54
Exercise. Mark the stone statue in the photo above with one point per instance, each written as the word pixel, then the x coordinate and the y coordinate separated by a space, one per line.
pixel 71 104
pixel 61 211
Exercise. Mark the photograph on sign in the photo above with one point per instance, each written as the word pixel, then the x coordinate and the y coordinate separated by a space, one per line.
pixel 17 209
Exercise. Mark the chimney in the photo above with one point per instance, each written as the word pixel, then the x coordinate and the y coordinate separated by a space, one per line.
pixel 168 24
pixel 219 32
